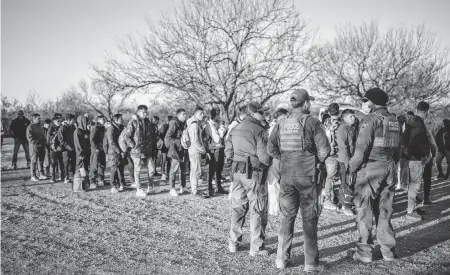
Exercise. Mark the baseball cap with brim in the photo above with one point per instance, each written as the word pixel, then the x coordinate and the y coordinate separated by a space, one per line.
pixel 301 95
pixel 255 107
pixel 376 96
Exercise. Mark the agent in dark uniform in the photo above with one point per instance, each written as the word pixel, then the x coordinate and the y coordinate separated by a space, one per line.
pixel 377 150
pixel 246 146
pixel 299 142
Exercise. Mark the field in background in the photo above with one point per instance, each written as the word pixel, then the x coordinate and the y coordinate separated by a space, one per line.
pixel 48 229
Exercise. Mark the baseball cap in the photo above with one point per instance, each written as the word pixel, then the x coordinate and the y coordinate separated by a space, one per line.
pixel 254 107
pixel 301 95
pixel 376 96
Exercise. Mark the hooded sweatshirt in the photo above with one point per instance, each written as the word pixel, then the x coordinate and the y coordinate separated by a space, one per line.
pixel 195 135
pixel 36 135
pixel 213 138
pixel 65 136
pixel 81 138
pixel 416 144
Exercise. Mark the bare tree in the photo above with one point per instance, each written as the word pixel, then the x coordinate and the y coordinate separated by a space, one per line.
pixel 217 52
pixel 406 63
pixel 71 101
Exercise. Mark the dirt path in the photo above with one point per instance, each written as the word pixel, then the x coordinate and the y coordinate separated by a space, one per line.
pixel 47 229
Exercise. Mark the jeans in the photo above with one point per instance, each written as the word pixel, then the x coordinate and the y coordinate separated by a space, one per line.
pixel 130 167
pixel 117 176
pixel 374 197
pixel 165 163
pixel 345 190
pixel 332 166
pixel 24 143
pixel 214 168
pixel 47 160
pixel 249 194
pixel 440 156
pixel 69 163
pixel 176 166
pixel 427 172
pixel 403 173
pixel 298 193
pixel 416 169
pixel 57 158
pixel 37 160
pixel 196 171
pixel 97 164
pixel 147 162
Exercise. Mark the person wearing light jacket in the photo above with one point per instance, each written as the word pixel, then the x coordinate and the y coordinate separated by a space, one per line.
pixel 36 139
pixel 196 150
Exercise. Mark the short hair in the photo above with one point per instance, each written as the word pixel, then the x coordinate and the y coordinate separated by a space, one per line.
pixel 48 121
pixel 33 116
pixel 423 106
pixel 56 118
pixel 70 116
pixel 347 112
pixel 198 108
pixel 20 111
pixel 117 116
pixel 213 113
pixel 142 107
pixel 179 111
pixel 280 112
pixel 325 117
pixel 100 116
pixel 410 113
pixel 333 109
pixel 155 117
pixel 169 118
pixel 57 115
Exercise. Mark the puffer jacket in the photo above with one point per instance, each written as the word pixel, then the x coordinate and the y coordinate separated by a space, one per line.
pixel 140 135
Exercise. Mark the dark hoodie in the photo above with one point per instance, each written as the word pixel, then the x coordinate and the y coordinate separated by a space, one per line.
pixel 416 144
pixel 81 138
pixel 65 136
pixel 443 137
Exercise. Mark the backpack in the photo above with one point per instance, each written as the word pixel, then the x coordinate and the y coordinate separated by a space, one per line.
pixel 185 139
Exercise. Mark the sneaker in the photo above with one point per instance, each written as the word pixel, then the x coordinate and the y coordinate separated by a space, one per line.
pixel 281 264
pixel 121 188
pixel 140 192
pixel 66 181
pixel 390 258
pixel 221 190
pixel 312 269
pixel 60 179
pixel 164 177
pixel 52 179
pixel 114 190
pixel 134 185
pixel 43 177
pixel 347 210
pixel 181 191
pixel 200 195
pixel 262 252
pixel 173 192
pixel 428 202
pixel 328 204
pixel 414 216
pixel 232 248
pixel 420 211
pixel 34 178
pixel 149 190
pixel 93 185
pixel 355 256
pixel 13 167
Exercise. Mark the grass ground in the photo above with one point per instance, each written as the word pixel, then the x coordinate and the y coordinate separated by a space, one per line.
pixel 48 229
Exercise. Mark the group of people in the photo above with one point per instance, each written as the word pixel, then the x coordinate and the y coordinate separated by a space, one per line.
pixel 304 156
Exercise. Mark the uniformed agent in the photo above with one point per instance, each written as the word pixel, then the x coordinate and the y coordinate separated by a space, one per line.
pixel 300 143
pixel 377 149
pixel 247 147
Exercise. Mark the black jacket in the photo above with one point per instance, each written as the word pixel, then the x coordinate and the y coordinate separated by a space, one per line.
pixel 443 140
pixel 81 138
pixel 112 136
pixel 416 144
pixel 65 137
pixel 97 136
pixel 173 139
pixel 18 128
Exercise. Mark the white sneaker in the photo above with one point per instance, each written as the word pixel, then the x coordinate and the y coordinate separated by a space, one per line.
pixel 181 191
pixel 92 186
pixel 164 177
pixel 34 179
pixel 134 185
pixel 173 192
pixel 121 188
pixel 43 177
pixel 140 193
pixel 101 183
pixel 66 181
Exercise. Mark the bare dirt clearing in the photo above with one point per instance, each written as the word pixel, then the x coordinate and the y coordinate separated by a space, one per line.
pixel 48 229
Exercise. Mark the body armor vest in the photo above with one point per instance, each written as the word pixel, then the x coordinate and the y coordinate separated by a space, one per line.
pixel 388 134
pixel 293 135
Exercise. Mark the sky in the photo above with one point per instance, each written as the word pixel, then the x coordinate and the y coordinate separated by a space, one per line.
pixel 49 45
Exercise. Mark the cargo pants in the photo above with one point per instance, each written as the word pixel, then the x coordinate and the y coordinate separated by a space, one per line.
pixel 299 193
pixel 374 197
pixel 249 195
pixel 147 162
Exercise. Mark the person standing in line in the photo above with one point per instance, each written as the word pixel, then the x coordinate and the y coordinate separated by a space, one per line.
pixel 177 153
pixel 196 149
pixel 346 139
pixel 98 155
pixel 443 148
pixel 215 152
pixel 377 151
pixel 140 135
pixel 155 121
pixel 300 143
pixel 117 157
pixel 246 147
pixel 56 149
pixel 48 158
pixel 18 128
pixel 165 161
pixel 65 138
pixel 36 139
pixel 81 140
